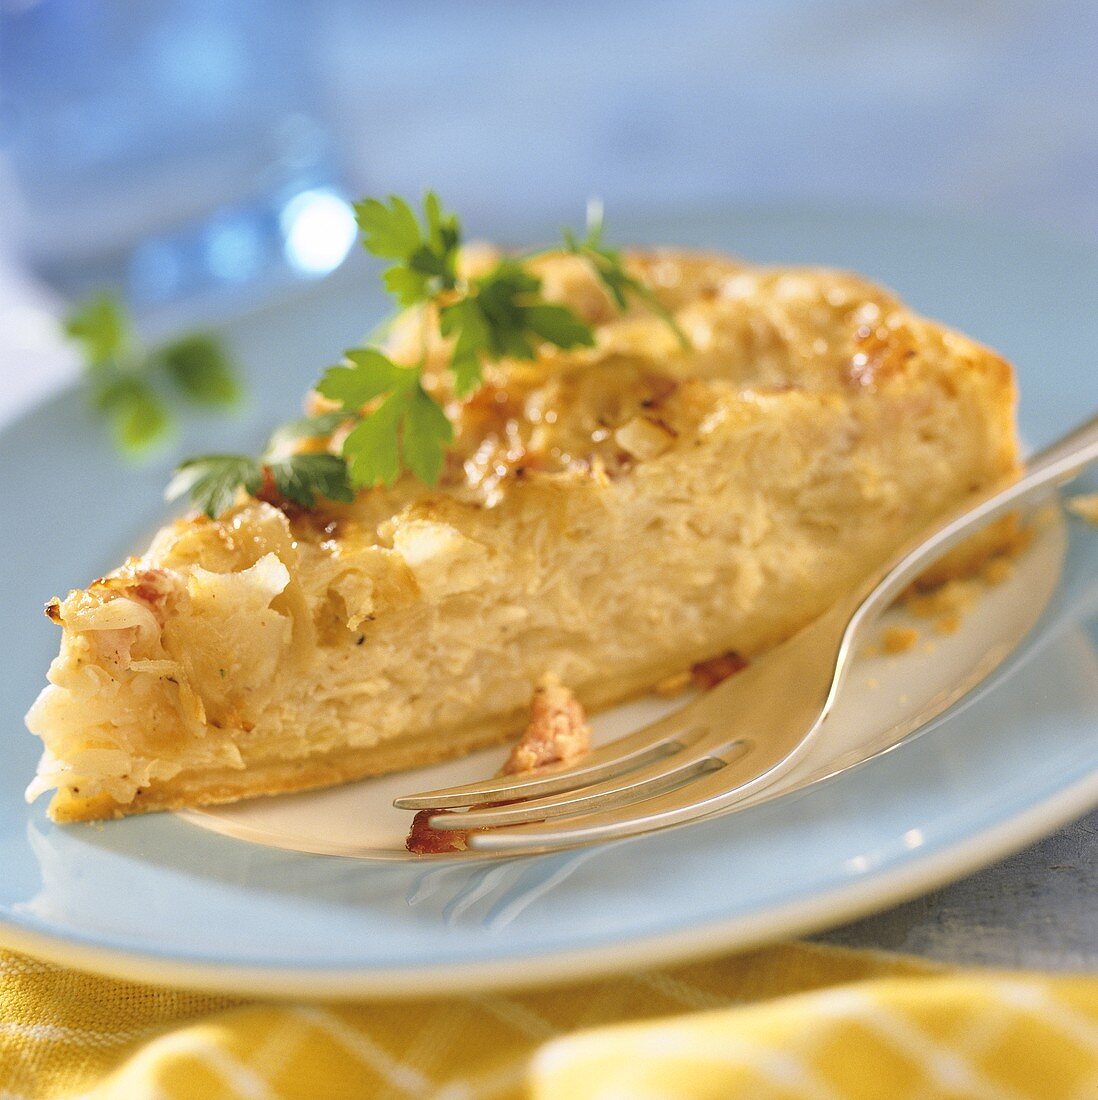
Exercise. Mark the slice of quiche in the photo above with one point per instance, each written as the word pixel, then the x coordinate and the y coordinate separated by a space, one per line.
pixel 608 516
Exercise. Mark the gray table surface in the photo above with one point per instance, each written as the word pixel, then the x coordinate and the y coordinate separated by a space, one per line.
pixel 1034 910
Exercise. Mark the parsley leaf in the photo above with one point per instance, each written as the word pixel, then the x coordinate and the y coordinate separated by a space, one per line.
pixel 212 481
pixel 465 321
pixel 503 316
pixel 370 375
pixel 406 430
pixel 499 296
pixel 138 417
pixel 388 230
pixel 508 300
pixel 427 432
pixel 558 325
pixel 303 477
pixel 127 382
pixel 443 231
pixel 372 449
pixel 100 326
pixel 426 254
pixel 200 369
pixel 406 285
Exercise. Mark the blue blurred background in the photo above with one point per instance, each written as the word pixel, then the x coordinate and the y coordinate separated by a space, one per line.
pixel 195 148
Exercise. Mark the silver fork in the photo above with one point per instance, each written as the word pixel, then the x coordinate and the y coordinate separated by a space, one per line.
pixel 741 736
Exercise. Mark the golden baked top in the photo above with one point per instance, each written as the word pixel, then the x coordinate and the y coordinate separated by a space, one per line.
pixel 753 331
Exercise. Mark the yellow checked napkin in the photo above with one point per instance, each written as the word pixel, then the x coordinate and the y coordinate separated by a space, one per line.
pixel 785 1022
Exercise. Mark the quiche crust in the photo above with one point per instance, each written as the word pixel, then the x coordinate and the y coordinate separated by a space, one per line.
pixel 609 516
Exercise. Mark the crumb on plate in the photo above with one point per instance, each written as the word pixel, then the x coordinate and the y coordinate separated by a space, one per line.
pixel 1085 506
pixel 998 570
pixel 898 639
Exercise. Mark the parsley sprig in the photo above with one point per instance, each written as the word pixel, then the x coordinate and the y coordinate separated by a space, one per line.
pixel 135 388
pixel 395 423
pixel 503 315
pixel 301 477
pixel 426 255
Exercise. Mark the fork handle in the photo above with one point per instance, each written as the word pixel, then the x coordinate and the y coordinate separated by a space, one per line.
pixel 1057 464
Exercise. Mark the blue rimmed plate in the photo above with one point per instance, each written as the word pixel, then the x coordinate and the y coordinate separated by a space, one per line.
pixel 160 899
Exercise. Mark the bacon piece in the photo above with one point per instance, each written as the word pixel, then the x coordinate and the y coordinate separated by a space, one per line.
pixel 660 387
pixel 425 841
pixel 556 734
pixel 153 587
pixel 708 674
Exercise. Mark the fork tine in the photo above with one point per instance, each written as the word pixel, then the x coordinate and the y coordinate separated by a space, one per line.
pixel 685 803
pixel 703 755
pixel 654 742
pixel 708 792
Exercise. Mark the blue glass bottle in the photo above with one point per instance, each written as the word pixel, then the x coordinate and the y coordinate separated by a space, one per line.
pixel 173 148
